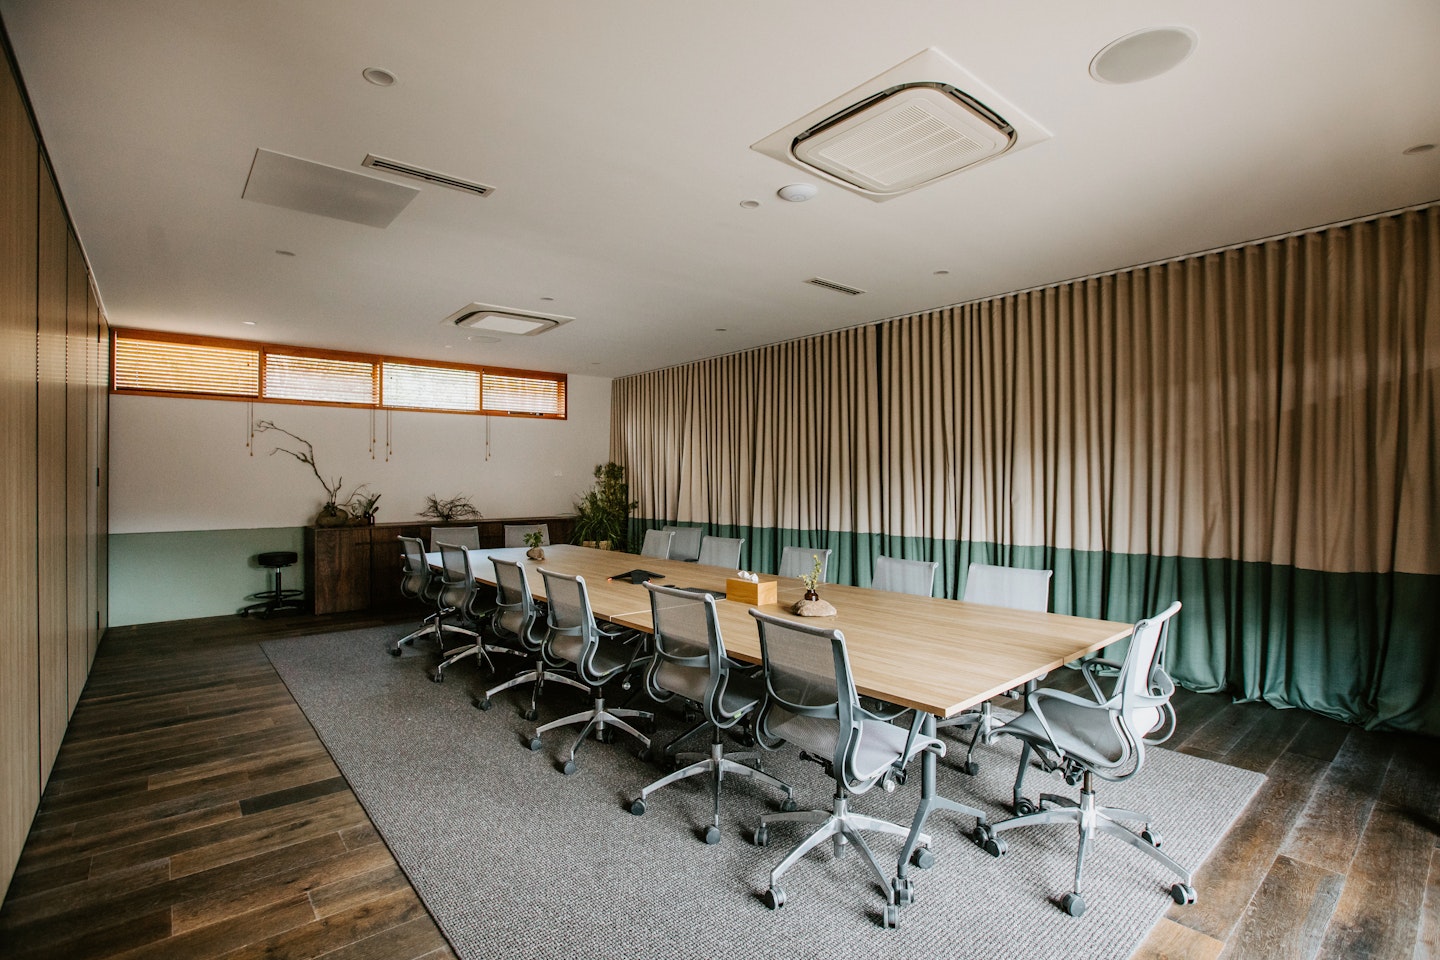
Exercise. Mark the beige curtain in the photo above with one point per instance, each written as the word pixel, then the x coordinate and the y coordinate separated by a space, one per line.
pixel 1274 404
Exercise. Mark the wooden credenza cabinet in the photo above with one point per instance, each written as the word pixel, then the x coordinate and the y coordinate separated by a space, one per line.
pixel 358 568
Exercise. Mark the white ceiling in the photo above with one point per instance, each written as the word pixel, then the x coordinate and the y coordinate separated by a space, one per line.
pixel 617 137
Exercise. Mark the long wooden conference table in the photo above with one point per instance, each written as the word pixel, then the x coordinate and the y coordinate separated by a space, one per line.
pixel 940 657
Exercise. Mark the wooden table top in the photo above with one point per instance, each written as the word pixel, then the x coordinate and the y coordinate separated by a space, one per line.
pixel 940 656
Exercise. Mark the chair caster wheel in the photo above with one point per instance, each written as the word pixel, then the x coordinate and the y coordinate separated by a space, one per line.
pixel 904 891
pixel 1183 894
pixel 605 735
pixel 437 677
pixel 638 808
pixel 1023 808
pixel 762 836
pixel 531 715
pixel 970 767
pixel 569 768
pixel 1154 839
pixel 712 835
pixel 1073 904
pixel 788 805
pixel 535 745
pixel 483 704
pixel 922 858
pixel 989 842
pixel 775 898
pixel 394 651
pixel 644 754
pixel 890 918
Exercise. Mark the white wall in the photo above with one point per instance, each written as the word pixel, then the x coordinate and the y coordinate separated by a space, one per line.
pixel 183 464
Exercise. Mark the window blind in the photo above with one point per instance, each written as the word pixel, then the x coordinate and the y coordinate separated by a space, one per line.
pixel 321 379
pixel 430 388
pixel 507 393
pixel 172 366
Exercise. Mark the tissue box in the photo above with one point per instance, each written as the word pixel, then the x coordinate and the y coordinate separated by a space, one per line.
pixel 755 594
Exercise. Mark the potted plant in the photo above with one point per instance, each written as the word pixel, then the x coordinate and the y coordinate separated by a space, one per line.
pixel 451 508
pixel 362 505
pixel 603 512
pixel 535 540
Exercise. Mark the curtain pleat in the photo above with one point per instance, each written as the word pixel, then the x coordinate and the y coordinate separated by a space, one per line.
pixel 1253 432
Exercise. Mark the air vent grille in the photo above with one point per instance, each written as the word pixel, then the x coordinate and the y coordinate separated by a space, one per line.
pixel 837 287
pixel 429 176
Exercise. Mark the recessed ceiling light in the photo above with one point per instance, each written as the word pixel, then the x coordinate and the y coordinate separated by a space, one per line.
pixel 942 273
pixel 721 329
pixel 378 76
pixel 797 192
pixel 749 204
pixel 548 299
pixel 286 253
pixel 1418 148
pixel 484 339
pixel 248 323
pixel 1143 55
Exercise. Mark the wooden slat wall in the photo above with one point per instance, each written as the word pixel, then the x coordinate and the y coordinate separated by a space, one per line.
pixel 76 458
pixel 54 348
pixel 50 368
pixel 19 662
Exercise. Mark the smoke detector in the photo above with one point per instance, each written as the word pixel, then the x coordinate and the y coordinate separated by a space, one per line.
pixel 919 122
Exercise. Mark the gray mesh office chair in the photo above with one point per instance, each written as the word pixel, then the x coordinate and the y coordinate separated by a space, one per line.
pixel 515 620
pixel 1103 737
pixel 467 537
pixel 685 545
pixel 1012 587
pixel 721 552
pixel 657 544
pixel 812 703
pixel 417 582
pixel 457 599
pixel 515 533
pixel 598 657
pixel 689 661
pixel 799 561
pixel 904 576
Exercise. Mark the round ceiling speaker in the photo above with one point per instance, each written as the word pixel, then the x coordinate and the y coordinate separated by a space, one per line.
pixel 1142 55
pixel 797 192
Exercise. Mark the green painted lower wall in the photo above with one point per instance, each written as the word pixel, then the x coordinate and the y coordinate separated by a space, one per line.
pixel 1359 647
pixel 194 573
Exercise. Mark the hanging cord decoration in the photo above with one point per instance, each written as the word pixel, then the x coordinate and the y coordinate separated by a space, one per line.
pixel 487 437
pixel 250 423
pixel 372 433
pixel 387 436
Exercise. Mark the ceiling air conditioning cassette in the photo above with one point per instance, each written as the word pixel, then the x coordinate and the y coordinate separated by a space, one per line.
pixel 904 137
pixel 920 121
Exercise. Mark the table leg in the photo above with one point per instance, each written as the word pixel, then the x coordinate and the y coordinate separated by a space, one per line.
pixel 901 892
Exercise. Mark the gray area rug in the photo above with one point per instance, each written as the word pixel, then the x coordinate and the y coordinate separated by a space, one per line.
pixel 516 860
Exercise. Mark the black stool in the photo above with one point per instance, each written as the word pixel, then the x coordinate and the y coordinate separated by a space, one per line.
pixel 278 600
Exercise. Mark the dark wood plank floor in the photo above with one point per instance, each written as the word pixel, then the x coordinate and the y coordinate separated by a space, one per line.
pixel 194 813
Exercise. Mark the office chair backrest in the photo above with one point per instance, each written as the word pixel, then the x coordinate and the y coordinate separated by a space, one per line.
pixel 457 582
pixel 467 537
pixel 515 613
pixel 515 533
pixel 721 552
pixel 810 695
pixel 689 655
pixel 1143 688
pixel 905 576
pixel 657 544
pixel 799 561
pixel 415 577
pixel 1013 587
pixel 573 635
pixel 685 545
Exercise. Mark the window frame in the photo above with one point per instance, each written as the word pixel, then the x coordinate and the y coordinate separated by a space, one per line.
pixel 376 361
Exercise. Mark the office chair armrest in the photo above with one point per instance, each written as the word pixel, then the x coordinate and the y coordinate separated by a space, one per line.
pixel 1088 669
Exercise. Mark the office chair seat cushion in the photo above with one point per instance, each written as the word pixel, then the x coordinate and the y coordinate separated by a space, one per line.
pixel 610 656
pixel 741 694
pixel 1083 731
pixel 880 744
